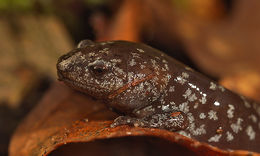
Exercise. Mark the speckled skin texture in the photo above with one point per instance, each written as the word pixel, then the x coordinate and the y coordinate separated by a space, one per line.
pixel 153 90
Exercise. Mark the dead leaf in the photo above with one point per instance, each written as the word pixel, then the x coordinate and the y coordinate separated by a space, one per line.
pixel 243 82
pixel 68 121
pixel 125 25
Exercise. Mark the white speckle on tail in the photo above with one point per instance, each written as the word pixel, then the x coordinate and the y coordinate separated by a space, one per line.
pixel 230 137
pixel 212 115
pixel 246 103
pixel 250 132
pixel 203 99
pixel 236 127
pixel 215 138
pixel 184 107
pixel 202 116
pixel 187 93
pixel 213 86
pixel 253 118
pixel 230 111
pixel 185 75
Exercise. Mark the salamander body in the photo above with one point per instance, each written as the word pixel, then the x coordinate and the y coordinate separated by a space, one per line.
pixel 153 90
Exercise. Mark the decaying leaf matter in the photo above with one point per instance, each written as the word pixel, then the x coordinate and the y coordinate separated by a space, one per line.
pixel 65 116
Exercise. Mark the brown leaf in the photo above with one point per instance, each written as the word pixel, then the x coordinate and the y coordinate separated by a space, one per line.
pixel 125 25
pixel 224 46
pixel 65 117
pixel 243 82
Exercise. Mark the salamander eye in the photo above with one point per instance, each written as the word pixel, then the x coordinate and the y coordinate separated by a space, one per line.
pixel 98 68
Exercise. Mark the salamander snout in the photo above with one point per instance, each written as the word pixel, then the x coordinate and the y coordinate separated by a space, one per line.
pixel 65 64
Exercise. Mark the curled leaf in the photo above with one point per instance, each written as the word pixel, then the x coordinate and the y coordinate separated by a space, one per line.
pixel 66 122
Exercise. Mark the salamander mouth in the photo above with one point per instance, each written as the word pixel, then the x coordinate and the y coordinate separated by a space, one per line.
pixel 82 88
pixel 130 84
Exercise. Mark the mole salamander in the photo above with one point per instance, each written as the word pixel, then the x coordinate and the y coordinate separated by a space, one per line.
pixel 151 89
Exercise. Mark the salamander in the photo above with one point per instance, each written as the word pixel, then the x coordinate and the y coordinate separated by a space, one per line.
pixel 150 89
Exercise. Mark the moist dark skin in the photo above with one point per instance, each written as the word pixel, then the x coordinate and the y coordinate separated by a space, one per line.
pixel 153 90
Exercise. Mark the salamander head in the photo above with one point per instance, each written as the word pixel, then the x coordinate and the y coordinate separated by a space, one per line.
pixel 118 72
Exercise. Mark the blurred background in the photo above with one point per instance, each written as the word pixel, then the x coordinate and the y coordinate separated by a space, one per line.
pixel 220 38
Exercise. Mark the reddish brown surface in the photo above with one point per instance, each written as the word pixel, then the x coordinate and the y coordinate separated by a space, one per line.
pixel 65 116
pixel 174 114
pixel 134 83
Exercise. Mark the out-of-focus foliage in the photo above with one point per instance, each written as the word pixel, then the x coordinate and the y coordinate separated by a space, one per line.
pixel 28 5
pixel 95 2
pixel 183 4
pixel 20 5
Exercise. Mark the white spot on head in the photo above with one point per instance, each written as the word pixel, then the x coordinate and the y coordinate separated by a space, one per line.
pixel 171 89
pixel 63 65
pixel 105 50
pixel 158 58
pixel 250 132
pixel 172 103
pixel 140 50
pixel 164 61
pixel 91 54
pixel 142 66
pixel 116 60
pixel 110 42
pixel 168 76
pixel 132 62
pixel 149 109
